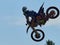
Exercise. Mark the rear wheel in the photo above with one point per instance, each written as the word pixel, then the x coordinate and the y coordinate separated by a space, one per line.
pixel 52 12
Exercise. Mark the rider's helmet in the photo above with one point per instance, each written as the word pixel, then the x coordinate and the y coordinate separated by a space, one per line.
pixel 24 9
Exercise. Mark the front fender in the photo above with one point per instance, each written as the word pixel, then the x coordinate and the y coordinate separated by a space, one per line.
pixel 27 29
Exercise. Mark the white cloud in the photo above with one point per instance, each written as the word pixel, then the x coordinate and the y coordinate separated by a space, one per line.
pixel 12 20
pixel 18 21
pixel 55 22
pixel 50 22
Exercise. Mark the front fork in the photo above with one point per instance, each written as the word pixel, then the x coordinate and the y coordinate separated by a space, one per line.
pixel 32 29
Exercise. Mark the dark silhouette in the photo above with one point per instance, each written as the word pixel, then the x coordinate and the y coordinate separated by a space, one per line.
pixel 39 18
pixel 35 16
pixel 49 42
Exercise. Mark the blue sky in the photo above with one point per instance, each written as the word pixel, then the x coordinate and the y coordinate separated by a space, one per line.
pixel 12 22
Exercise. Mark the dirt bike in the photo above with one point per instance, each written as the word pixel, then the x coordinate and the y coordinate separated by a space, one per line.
pixel 37 34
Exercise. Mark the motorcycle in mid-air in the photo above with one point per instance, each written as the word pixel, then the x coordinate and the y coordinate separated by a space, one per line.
pixel 51 13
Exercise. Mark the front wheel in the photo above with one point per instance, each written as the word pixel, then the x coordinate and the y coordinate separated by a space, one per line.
pixel 52 12
pixel 39 36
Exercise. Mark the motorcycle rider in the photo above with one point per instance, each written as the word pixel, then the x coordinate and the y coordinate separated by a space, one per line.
pixel 35 15
pixel 28 14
